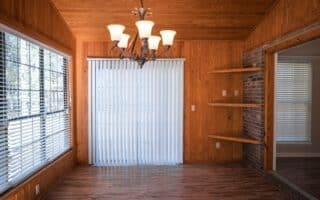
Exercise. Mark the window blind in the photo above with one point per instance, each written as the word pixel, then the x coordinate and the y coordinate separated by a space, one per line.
pixel 136 113
pixel 34 108
pixel 293 102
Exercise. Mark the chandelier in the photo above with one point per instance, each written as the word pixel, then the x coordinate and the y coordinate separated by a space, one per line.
pixel 149 42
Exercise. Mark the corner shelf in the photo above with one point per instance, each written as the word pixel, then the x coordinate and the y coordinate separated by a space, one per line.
pixel 235 139
pixel 236 105
pixel 236 70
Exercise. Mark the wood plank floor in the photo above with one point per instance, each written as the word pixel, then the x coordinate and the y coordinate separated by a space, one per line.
pixel 187 182
pixel 303 172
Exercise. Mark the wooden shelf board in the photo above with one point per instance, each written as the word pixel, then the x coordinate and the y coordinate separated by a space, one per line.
pixel 234 139
pixel 236 70
pixel 237 105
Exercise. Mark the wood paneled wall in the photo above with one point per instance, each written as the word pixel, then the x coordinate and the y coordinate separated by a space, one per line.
pixel 201 56
pixel 285 17
pixel 46 177
pixel 40 20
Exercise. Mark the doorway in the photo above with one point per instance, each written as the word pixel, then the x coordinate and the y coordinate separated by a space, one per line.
pixel 296 116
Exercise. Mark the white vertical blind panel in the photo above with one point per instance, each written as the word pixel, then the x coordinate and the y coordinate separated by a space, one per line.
pixel 136 114
pixel 293 98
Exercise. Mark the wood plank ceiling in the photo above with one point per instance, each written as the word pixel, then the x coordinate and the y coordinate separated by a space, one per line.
pixel 192 19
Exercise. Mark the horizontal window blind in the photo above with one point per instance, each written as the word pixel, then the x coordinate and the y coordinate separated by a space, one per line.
pixel 293 101
pixel 34 108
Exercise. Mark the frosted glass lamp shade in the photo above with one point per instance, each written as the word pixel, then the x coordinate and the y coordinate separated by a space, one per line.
pixel 123 43
pixel 153 42
pixel 167 37
pixel 144 28
pixel 115 31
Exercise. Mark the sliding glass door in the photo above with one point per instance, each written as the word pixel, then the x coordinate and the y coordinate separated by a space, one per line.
pixel 136 113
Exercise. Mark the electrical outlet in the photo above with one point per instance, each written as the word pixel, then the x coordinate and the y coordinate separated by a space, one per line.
pixel 224 93
pixel 236 93
pixel 37 188
pixel 193 108
pixel 218 145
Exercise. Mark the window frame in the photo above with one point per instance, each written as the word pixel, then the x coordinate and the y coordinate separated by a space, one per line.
pixel 42 111
pixel 285 60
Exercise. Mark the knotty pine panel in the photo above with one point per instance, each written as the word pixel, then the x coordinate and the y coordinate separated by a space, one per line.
pixel 192 19
pixel 285 17
pixel 40 20
pixel 201 56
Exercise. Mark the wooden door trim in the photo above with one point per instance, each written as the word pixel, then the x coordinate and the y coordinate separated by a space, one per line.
pixel 270 52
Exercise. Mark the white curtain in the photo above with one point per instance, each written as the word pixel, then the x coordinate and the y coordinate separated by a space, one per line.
pixel 136 113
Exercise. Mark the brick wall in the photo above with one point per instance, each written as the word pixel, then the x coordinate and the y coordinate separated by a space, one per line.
pixel 253 118
pixel 253 123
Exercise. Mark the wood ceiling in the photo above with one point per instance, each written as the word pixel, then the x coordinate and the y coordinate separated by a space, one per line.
pixel 192 19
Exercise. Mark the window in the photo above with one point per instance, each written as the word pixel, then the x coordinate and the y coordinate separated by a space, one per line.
pixel 293 102
pixel 34 109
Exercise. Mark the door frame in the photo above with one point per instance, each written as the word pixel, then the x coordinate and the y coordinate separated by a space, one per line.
pixel 307 34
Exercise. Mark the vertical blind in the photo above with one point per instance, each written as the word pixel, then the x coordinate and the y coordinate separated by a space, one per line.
pixel 293 101
pixel 136 113
pixel 34 108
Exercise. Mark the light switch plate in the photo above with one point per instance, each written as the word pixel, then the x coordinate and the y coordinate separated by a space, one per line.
pixel 224 93
pixel 236 93
pixel 193 108
pixel 218 145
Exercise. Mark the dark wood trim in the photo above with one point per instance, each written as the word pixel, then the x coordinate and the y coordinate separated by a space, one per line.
pixel 268 107
pixel 269 88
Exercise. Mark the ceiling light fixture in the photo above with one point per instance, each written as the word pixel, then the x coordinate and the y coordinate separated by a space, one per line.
pixel 149 42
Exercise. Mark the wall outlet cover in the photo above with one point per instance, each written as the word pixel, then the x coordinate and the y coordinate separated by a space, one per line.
pixel 224 93
pixel 37 188
pixel 236 93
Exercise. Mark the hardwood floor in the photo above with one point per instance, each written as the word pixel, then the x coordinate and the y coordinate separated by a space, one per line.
pixel 199 182
pixel 303 172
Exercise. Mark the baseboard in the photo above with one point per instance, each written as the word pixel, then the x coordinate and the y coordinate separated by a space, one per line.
pixel 298 155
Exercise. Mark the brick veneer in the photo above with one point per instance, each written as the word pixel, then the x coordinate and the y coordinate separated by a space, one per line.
pixel 253 122
pixel 253 118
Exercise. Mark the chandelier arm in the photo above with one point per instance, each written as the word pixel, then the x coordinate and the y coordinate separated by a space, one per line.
pixel 122 53
pixel 144 48
pixel 133 43
pixel 114 45
pixel 141 3
pixel 165 51
pixel 132 51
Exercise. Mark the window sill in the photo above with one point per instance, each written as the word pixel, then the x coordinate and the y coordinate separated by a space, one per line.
pixel 295 143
